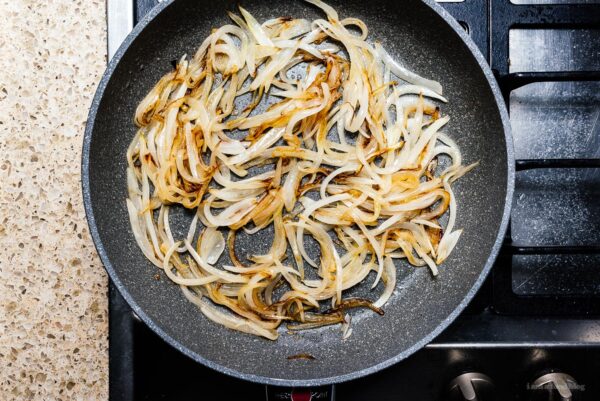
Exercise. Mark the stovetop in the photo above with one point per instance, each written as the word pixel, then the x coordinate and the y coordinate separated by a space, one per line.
pixel 538 312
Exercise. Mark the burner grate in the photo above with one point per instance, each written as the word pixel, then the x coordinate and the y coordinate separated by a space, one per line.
pixel 505 16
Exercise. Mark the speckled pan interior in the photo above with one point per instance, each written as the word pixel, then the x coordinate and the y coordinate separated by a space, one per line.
pixel 418 35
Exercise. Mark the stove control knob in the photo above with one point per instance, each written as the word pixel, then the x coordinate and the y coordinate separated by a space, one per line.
pixel 471 386
pixel 554 386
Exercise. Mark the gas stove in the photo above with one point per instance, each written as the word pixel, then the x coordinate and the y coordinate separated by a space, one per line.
pixel 533 330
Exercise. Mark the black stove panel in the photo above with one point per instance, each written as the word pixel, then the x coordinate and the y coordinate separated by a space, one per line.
pixel 424 376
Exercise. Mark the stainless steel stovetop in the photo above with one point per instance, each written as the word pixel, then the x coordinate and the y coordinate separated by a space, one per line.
pixel 536 321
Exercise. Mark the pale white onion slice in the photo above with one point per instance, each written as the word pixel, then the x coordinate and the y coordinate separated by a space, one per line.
pixel 406 74
pixel 389 278
pixel 212 245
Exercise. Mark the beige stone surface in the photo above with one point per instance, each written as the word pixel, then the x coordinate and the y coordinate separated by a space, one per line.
pixel 53 306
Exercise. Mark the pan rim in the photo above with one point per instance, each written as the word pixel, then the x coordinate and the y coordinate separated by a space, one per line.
pixel 510 182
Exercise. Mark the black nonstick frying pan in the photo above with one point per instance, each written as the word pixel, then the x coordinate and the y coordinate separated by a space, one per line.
pixel 428 41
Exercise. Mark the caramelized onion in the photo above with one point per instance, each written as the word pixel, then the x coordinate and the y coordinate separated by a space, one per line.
pixel 374 194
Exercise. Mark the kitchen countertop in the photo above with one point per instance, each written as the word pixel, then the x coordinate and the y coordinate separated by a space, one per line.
pixel 53 303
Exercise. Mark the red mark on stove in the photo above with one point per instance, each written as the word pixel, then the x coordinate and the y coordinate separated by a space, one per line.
pixel 301 395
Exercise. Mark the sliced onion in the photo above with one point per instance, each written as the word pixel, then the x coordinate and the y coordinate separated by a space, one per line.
pixel 405 74
pixel 212 245
pixel 328 146
pixel 389 278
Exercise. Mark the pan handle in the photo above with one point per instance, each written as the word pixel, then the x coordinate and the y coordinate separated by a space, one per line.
pixel 324 393
pixel 120 22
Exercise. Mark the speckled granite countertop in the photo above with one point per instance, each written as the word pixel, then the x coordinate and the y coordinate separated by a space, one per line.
pixel 53 304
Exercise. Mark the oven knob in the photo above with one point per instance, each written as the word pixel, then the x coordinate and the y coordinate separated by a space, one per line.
pixel 471 386
pixel 555 386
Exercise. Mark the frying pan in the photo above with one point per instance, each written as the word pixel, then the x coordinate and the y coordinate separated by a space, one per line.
pixel 424 38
